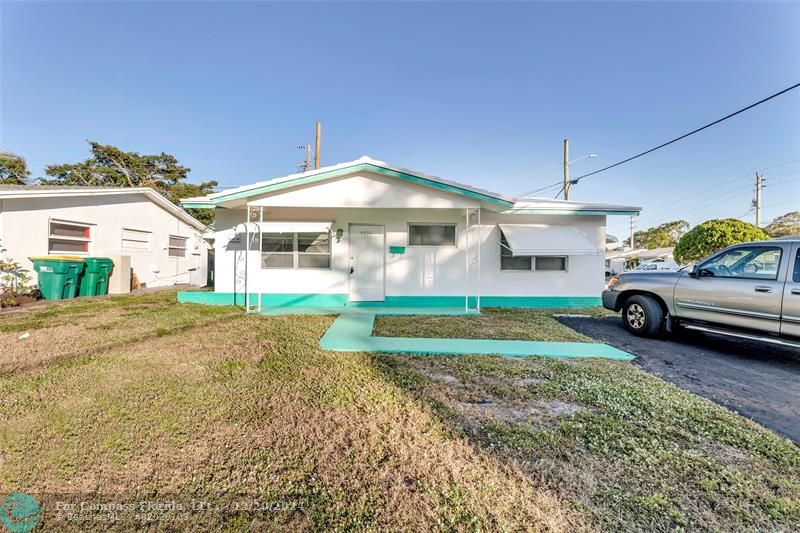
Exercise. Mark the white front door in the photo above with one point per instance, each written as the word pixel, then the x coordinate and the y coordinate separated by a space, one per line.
pixel 367 257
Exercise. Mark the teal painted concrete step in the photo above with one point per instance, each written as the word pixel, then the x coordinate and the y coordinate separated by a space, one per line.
pixel 352 332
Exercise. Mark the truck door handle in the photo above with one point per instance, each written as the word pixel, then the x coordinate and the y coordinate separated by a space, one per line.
pixel 795 291
pixel 352 270
pixel 763 289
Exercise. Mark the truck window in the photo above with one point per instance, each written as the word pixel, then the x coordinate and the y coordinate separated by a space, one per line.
pixel 797 267
pixel 755 262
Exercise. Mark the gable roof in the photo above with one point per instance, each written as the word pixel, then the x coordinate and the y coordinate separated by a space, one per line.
pixel 58 191
pixel 363 164
pixel 505 204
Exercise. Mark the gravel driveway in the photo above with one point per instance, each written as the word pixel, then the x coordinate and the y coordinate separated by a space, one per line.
pixel 760 381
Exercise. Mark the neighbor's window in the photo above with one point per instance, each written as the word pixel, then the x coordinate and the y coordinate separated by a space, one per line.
pixel 550 263
pixel 508 261
pixel 135 239
pixel 69 237
pixel 296 250
pixel 431 234
pixel 177 246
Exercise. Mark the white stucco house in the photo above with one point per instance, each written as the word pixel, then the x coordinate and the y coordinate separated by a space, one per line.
pixel 367 233
pixel 138 228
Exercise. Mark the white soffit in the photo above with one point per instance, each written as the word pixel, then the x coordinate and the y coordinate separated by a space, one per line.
pixel 294 227
pixel 547 239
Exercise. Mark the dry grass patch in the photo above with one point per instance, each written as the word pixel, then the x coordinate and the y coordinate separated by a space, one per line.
pixel 206 403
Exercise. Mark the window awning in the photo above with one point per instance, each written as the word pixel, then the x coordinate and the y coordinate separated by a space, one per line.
pixel 547 239
pixel 295 227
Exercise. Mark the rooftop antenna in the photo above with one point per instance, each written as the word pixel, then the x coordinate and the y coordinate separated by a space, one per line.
pixel 305 167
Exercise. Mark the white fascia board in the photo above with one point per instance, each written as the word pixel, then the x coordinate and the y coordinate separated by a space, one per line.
pixel 294 227
pixel 544 205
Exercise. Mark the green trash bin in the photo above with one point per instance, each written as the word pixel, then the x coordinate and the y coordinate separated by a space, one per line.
pixel 58 275
pixel 94 281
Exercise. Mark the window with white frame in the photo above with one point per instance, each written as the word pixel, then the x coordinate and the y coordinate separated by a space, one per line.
pixel 432 235
pixel 68 237
pixel 177 246
pixel 136 239
pixel 296 250
pixel 509 261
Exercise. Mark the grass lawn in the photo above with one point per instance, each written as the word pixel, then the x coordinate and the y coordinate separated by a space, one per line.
pixel 135 399
pixel 492 323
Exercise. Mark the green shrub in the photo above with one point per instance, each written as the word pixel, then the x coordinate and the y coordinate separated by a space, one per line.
pixel 713 235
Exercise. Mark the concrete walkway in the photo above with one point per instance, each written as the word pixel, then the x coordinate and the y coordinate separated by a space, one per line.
pixel 352 332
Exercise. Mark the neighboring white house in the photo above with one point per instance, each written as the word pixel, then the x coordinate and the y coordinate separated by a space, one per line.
pixel 617 261
pixel 368 233
pixel 163 242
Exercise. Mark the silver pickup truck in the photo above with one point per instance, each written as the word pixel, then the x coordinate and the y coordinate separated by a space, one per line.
pixel 749 290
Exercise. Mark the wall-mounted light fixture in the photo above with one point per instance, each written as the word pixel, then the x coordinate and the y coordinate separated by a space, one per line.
pixel 339 233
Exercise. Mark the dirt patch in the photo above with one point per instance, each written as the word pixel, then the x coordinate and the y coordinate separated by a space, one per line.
pixel 527 382
pixel 33 348
pixel 537 413
pixel 441 377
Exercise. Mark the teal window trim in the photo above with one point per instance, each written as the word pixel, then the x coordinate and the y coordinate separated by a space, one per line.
pixel 366 167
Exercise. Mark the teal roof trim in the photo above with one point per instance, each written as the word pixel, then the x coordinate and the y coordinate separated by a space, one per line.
pixel 197 205
pixel 366 167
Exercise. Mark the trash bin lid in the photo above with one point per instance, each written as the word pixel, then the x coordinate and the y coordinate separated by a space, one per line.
pixel 55 258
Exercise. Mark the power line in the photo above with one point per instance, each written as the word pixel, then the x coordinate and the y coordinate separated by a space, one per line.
pixel 781 203
pixel 730 195
pixel 666 206
pixel 697 130
pixel 542 189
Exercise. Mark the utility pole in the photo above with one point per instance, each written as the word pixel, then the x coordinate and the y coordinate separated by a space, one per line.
pixel 316 150
pixel 757 200
pixel 566 169
pixel 633 225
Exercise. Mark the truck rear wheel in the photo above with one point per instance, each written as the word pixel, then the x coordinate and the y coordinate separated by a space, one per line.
pixel 641 315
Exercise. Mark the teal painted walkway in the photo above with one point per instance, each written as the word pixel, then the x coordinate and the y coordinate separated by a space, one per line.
pixel 352 332
pixel 347 310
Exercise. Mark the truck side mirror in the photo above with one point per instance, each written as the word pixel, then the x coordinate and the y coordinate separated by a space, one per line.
pixel 694 270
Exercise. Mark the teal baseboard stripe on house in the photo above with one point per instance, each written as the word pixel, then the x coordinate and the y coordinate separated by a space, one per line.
pixel 267 299
pixel 214 298
pixel 303 300
pixel 541 302
pixel 533 302
pixel 341 300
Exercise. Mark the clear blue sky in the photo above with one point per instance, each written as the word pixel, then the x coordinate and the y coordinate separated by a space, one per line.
pixel 482 93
